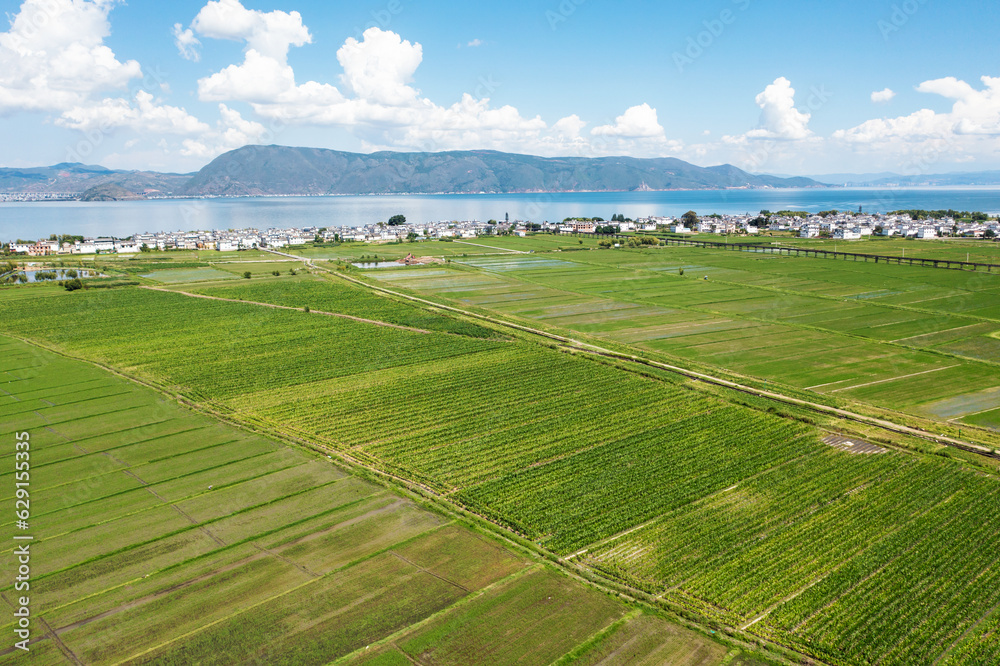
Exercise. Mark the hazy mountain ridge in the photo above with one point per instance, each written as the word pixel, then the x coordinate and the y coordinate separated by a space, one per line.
pixel 264 170
pixel 889 179
pixel 279 170
pixel 74 179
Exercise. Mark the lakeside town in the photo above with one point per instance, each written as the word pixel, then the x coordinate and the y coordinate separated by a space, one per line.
pixel 831 224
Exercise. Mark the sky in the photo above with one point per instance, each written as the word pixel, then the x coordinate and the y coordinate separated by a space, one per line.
pixel 791 87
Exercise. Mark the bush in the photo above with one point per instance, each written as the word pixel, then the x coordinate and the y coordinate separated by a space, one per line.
pixel 247 275
pixel 73 285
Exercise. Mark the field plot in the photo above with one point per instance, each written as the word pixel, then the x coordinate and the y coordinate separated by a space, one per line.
pixel 854 329
pixel 317 294
pixel 164 537
pixel 180 275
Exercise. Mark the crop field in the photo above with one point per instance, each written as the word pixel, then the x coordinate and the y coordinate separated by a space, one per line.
pixel 179 275
pixel 915 339
pixel 958 249
pixel 723 511
pixel 162 536
pixel 316 293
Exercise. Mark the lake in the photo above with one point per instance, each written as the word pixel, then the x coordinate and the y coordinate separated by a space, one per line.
pixel 31 221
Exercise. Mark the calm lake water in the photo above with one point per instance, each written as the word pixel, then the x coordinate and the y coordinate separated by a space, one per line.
pixel 38 220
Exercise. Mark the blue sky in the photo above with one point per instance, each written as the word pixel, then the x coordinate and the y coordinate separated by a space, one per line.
pixel 771 86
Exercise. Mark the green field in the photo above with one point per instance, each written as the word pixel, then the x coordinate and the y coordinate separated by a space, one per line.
pixel 730 511
pixel 162 536
pixel 915 339
pixel 180 275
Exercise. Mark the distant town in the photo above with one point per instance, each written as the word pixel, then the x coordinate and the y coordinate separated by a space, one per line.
pixel 830 224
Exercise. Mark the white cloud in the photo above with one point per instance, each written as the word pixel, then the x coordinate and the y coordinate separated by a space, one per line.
pixel 973 112
pixel 380 105
pixel 187 44
pixel 474 43
pixel 883 96
pixel 259 79
pixel 144 116
pixel 53 56
pixel 927 140
pixel 270 34
pixel 638 122
pixel 231 132
pixel 380 67
pixel 779 119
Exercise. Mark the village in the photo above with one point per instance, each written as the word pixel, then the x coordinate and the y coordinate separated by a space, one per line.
pixel 835 225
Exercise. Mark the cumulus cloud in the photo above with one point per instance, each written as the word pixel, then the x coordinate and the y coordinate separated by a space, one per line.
pixel 638 122
pixel 925 139
pixel 53 56
pixel 779 119
pixel 270 34
pixel 145 115
pixel 231 132
pixel 380 67
pixel 973 112
pixel 377 101
pixel 474 43
pixel 883 96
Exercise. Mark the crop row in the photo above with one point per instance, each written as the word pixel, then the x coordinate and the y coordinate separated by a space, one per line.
pixel 647 471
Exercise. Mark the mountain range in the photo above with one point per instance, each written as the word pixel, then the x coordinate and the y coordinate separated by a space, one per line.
pixel 279 170
pixel 889 179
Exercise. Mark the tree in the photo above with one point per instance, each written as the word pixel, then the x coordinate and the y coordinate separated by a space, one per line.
pixel 246 274
pixel 145 248
pixel 411 237
pixel 990 234
pixel 690 219
pixel 397 220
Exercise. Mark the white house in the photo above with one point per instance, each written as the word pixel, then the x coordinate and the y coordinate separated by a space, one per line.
pixel 678 229
pixel 847 234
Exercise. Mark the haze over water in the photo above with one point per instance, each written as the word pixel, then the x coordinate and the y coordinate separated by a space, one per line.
pixel 121 219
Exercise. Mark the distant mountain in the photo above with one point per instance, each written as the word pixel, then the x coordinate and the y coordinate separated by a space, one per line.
pixel 278 170
pixel 961 179
pixel 74 179
pixel 854 178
